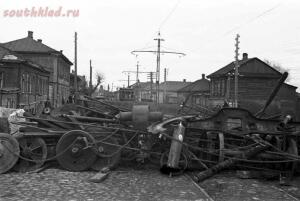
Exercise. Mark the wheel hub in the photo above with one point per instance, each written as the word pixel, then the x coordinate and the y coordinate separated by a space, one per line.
pixel 75 149
pixel 100 149
pixel 1 149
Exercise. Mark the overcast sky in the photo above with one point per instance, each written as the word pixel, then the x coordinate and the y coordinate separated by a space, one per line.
pixel 108 30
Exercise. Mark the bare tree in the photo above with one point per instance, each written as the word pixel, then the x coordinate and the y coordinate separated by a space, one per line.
pixel 100 78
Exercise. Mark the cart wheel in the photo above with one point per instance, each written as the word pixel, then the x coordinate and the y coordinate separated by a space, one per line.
pixel 157 150
pixel 213 145
pixel 34 149
pixel 108 155
pixel 293 149
pixel 74 152
pixel 9 151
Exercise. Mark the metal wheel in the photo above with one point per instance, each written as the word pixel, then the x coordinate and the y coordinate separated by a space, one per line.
pixel 34 149
pixel 74 152
pixel 107 154
pixel 157 149
pixel 213 146
pixel 292 149
pixel 9 151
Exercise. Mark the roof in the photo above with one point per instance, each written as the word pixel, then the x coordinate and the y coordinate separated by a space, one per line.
pixel 197 86
pixel 80 77
pixel 29 45
pixel 143 85
pixel 9 56
pixel 173 85
pixel 242 63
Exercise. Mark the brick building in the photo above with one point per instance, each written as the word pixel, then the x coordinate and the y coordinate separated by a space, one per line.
pixel 55 62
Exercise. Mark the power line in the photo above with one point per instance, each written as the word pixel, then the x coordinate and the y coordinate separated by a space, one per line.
pixel 169 15
pixel 158 54
pixel 253 19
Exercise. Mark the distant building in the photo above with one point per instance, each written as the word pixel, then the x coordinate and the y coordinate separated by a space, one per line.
pixel 196 93
pixel 168 91
pixel 144 91
pixel 124 94
pixel 23 83
pixel 55 62
pixel 81 82
pixel 256 81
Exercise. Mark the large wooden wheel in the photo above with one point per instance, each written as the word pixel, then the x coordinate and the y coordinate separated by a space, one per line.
pixel 212 144
pixel 293 150
pixel 9 151
pixel 34 149
pixel 108 154
pixel 74 152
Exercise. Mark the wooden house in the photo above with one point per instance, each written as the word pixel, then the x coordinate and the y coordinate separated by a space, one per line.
pixel 23 83
pixel 196 93
pixel 256 81
pixel 55 62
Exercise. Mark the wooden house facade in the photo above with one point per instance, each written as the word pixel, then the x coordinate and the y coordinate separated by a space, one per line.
pixel 54 61
pixel 23 84
pixel 196 93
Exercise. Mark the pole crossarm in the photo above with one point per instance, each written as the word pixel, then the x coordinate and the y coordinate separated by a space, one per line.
pixel 128 71
pixel 154 51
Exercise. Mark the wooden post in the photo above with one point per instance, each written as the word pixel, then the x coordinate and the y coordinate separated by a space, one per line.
pixel 230 162
pixel 75 66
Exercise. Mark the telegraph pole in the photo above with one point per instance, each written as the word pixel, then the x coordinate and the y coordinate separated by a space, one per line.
pixel 165 84
pixel 150 76
pixel 75 66
pixel 91 72
pixel 158 53
pixel 137 72
pixel 128 80
pixel 159 39
pixel 236 72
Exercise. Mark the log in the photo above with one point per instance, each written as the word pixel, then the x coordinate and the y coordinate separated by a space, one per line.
pixel 230 162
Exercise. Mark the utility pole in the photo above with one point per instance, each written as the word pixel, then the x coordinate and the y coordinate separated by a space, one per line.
pixel 91 73
pixel 165 85
pixel 75 66
pixel 236 72
pixel 150 76
pixel 137 72
pixel 159 39
pixel 128 82
pixel 158 53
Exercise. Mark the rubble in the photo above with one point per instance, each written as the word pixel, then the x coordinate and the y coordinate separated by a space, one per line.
pixel 94 134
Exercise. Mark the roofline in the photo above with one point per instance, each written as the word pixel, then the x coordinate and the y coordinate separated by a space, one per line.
pixel 48 53
pixel 26 63
pixel 248 60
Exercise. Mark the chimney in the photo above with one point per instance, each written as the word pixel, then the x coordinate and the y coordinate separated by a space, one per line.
pixel 30 34
pixel 184 80
pixel 203 76
pixel 245 56
pixel 61 51
pixel 39 40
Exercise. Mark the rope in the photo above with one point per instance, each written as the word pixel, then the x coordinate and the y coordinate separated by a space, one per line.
pixel 121 147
